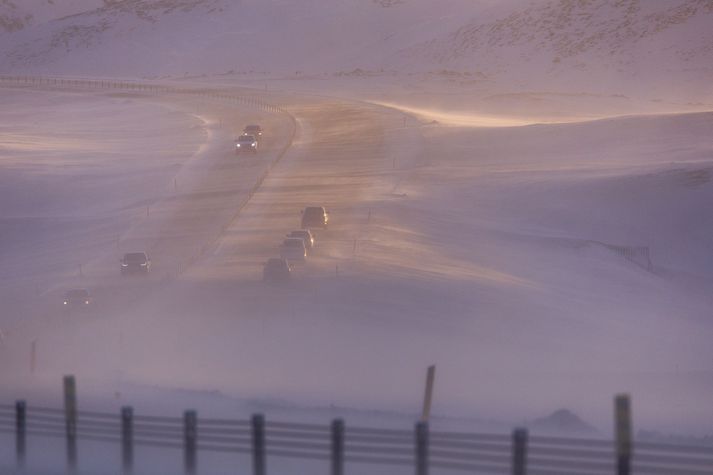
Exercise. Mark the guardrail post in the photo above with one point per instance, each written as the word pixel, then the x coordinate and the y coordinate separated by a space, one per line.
pixel 337 447
pixel 421 433
pixel 190 434
pixel 127 439
pixel 20 432
pixel 519 452
pixel 622 410
pixel 70 417
pixel 258 430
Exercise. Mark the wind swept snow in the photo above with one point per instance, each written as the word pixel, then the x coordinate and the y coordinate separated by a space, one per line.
pixel 519 194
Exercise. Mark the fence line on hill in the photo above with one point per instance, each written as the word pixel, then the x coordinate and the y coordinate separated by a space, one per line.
pixel 339 445
pixel 143 87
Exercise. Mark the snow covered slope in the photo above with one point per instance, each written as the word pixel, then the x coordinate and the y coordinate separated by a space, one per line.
pixel 18 14
pixel 652 41
pixel 545 42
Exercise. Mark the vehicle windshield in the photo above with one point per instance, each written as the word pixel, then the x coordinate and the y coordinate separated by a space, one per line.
pixel 135 258
pixel 314 212
pixel 296 242
pixel 246 138
pixel 275 264
pixel 252 128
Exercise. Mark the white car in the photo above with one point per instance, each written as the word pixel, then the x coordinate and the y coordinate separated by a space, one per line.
pixel 305 235
pixel 293 249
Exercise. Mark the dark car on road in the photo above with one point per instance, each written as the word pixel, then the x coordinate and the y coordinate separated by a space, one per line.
pixel 314 217
pixel 135 263
pixel 76 298
pixel 254 130
pixel 276 269
pixel 246 143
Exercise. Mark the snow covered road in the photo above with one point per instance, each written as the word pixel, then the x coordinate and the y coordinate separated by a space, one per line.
pixel 498 254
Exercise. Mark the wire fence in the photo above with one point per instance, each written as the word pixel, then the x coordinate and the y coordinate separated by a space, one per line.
pixel 138 87
pixel 338 445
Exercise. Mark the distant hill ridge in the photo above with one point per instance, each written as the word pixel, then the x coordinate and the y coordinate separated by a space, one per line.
pixel 594 40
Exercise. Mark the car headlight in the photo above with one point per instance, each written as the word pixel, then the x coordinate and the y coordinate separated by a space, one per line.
pixel 86 302
pixel 237 145
pixel 123 264
pixel 143 264
pixel 65 302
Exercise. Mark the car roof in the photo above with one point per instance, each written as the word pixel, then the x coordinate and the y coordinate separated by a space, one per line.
pixel 135 254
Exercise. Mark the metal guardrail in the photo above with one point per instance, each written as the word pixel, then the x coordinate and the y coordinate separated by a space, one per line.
pixel 338 445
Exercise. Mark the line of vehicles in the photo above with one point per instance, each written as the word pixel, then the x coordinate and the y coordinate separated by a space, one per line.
pixel 139 262
pixel 296 246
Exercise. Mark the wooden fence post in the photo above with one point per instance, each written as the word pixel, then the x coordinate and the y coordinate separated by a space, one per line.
pixel 622 409
pixel 337 447
pixel 519 452
pixel 70 417
pixel 421 433
pixel 127 439
pixel 33 356
pixel 190 434
pixel 258 430
pixel 20 432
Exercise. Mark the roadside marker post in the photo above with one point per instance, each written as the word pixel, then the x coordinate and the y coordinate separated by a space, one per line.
pixel 622 409
pixel 33 356
pixel 519 452
pixel 258 439
pixel 421 436
pixel 20 433
pixel 127 439
pixel 70 416
pixel 190 434
pixel 337 447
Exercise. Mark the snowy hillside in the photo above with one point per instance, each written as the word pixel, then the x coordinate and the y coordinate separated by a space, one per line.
pixel 18 14
pixel 601 38
pixel 600 42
